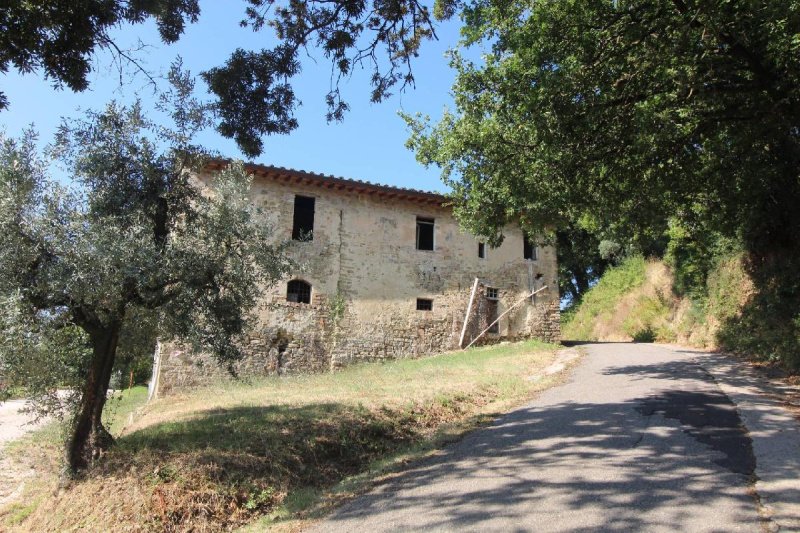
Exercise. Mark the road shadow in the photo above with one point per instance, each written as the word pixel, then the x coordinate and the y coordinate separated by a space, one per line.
pixel 571 343
pixel 652 463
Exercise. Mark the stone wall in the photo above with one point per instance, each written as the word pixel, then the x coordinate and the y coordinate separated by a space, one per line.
pixel 366 275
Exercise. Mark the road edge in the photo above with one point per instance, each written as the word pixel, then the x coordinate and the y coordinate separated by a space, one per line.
pixel 773 429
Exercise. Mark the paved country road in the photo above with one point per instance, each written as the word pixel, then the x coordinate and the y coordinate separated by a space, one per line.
pixel 13 422
pixel 13 425
pixel 641 438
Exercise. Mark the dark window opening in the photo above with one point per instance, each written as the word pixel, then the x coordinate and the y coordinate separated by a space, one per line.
pixel 491 293
pixel 424 233
pixel 529 251
pixel 298 291
pixel 482 250
pixel 303 223
pixel 424 304
pixel 491 315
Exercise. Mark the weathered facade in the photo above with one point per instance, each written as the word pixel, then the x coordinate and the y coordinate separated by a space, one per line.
pixel 386 272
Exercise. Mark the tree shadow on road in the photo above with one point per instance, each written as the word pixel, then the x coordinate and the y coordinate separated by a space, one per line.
pixel 662 462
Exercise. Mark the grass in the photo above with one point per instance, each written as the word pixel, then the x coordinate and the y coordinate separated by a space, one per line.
pixel 636 301
pixel 119 412
pixel 278 449
pixel 601 303
pixel 122 407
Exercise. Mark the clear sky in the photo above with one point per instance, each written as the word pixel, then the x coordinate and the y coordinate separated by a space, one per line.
pixel 368 145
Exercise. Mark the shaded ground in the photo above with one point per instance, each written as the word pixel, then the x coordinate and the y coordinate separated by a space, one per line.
pixel 643 438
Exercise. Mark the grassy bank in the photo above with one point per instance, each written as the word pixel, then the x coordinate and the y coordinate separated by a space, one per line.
pixel 637 301
pixel 630 302
pixel 276 449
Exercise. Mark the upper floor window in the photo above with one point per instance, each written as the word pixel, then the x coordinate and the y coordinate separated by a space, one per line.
pixel 425 233
pixel 424 304
pixel 529 250
pixel 298 291
pixel 303 223
pixel 482 250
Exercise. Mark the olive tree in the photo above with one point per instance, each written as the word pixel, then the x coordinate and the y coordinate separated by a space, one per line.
pixel 133 231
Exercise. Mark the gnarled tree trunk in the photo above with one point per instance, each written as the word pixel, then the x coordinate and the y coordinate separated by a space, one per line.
pixel 88 437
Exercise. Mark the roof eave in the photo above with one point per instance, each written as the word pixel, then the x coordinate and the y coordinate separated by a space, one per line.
pixel 336 183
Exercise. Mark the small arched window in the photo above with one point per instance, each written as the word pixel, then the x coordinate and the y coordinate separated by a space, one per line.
pixel 298 291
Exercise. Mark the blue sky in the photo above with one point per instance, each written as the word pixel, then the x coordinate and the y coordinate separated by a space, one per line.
pixel 368 145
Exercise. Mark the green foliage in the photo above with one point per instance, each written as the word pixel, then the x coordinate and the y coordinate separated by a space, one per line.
pixel 645 335
pixel 137 343
pixel 580 262
pixel 36 365
pixel 133 243
pixel 623 116
pixel 647 319
pixel 60 38
pixel 601 300
pixel 337 305
pixel 255 96
pixel 691 253
pixel 728 287
pixel 609 250
pixel 762 323
pixel 622 113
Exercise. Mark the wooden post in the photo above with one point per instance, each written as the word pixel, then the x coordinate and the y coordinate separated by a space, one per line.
pixel 496 320
pixel 469 312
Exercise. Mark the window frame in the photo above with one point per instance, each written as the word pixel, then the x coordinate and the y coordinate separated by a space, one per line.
pixel 426 302
pixel 298 233
pixel 302 283
pixel 426 222
pixel 529 249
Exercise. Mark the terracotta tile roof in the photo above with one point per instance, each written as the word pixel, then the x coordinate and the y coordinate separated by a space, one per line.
pixel 289 175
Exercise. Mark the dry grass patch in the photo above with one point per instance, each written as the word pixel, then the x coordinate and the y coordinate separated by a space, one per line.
pixel 223 456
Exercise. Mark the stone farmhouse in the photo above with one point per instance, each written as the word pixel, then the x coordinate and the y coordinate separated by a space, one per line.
pixel 385 272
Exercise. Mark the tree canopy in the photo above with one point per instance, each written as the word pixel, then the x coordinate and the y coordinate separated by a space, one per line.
pixel 253 88
pixel 622 114
pixel 135 235
pixel 619 117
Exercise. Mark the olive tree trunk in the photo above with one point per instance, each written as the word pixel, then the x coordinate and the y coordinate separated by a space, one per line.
pixel 88 438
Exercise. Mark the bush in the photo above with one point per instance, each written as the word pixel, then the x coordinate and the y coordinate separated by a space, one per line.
pixel 645 335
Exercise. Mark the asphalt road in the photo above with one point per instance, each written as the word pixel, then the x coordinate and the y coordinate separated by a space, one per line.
pixel 640 438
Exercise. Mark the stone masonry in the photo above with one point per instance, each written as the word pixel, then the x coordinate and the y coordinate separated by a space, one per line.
pixel 366 275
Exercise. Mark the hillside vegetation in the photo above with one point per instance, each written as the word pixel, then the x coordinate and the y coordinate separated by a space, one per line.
pixel 277 448
pixel 638 301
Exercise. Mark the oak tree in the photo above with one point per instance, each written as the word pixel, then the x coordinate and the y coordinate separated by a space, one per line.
pixel 619 116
